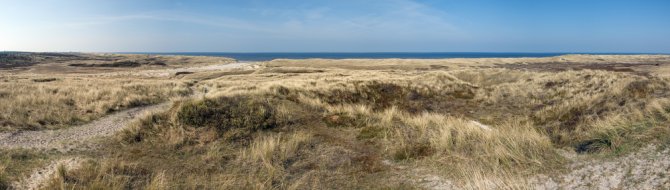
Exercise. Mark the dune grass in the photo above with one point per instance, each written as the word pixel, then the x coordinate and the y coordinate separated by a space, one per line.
pixel 481 128
pixel 16 164
pixel 36 102
pixel 324 124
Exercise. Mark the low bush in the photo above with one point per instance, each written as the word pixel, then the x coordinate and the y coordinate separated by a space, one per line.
pixel 225 113
pixel 413 99
pixel 230 118
pixel 45 80
pixel 114 64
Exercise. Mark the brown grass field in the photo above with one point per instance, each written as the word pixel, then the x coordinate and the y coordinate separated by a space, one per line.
pixel 496 123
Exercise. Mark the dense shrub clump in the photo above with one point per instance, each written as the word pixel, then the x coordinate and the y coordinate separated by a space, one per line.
pixel 231 119
pixel 226 113
pixel 414 99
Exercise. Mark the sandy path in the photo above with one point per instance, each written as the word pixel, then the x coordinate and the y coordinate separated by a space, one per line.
pixel 75 137
pixel 647 168
pixel 40 176
pixel 80 137
pixel 83 137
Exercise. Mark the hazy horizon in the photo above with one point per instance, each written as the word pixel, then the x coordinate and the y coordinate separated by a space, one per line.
pixel 373 26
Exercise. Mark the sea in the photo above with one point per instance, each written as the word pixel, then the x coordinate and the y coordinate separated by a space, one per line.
pixel 248 57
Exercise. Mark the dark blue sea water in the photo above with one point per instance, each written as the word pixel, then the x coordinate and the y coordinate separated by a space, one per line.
pixel 271 56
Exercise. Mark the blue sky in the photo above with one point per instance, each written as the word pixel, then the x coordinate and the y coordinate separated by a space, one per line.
pixel 336 26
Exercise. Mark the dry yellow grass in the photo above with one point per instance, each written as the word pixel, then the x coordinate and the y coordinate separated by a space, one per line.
pixel 77 63
pixel 352 123
pixel 457 63
pixel 30 103
pixel 54 90
pixel 16 164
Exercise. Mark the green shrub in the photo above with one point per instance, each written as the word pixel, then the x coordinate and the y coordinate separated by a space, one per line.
pixel 230 118
pixel 45 80
pixel 226 113
pixel 414 99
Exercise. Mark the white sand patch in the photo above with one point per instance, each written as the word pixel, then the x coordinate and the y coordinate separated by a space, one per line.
pixel 480 125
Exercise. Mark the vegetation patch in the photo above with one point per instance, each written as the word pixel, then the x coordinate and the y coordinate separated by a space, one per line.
pixel 4 94
pixel 344 120
pixel 414 151
pixel 14 164
pixel 372 132
pixel 229 114
pixel 127 63
pixel 115 64
pixel 355 129
pixel 72 101
pixel 4 179
pixel 45 80
pixel 383 95
pixel 183 73
pixel 289 70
